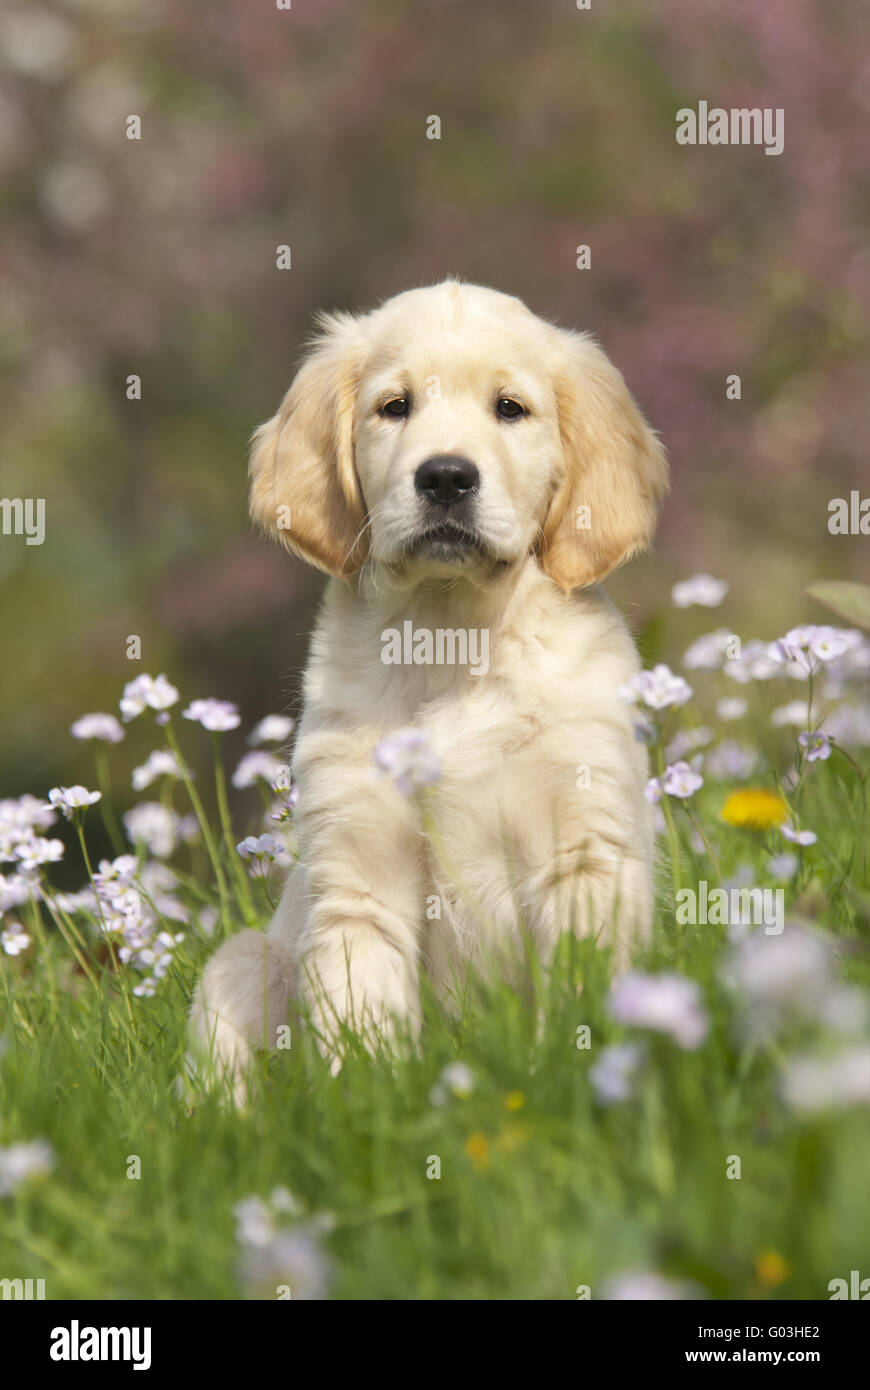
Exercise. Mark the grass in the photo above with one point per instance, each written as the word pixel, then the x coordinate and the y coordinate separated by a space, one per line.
pixel 544 1189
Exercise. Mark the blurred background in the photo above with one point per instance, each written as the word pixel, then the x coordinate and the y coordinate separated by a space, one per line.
pixel 307 127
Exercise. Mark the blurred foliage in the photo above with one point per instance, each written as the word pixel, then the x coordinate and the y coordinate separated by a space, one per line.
pixel 307 127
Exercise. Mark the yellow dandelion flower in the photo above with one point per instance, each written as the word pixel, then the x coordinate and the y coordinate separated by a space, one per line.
pixel 511 1138
pixel 477 1148
pixel 514 1100
pixel 755 808
pixel 771 1269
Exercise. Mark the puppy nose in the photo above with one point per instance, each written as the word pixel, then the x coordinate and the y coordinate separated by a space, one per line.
pixel 446 478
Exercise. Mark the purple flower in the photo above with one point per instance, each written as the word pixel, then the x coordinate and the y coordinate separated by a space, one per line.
pixel 614 1072
pixel 817 745
pixel 665 1003
pixel 681 780
pixel 261 851
pixel 408 757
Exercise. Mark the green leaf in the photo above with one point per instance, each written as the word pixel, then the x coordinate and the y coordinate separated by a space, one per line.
pixel 849 601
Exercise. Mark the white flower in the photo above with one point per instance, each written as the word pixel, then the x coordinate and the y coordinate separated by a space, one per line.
pixel 794 713
pixel 456 1079
pixel 707 653
pixel 257 766
pixel 731 760
pixel 14 939
pixel 84 901
pixel 614 1072
pixel 273 1253
pixel 687 741
pixel 23 1161
pixel 753 664
pixel 146 988
pixel 659 688
pixel 850 724
pixel 153 826
pixel 18 820
pixel 815 1084
pixel 117 873
pixel 790 970
pixel 254 1223
pixel 408 757
pixel 782 866
pixel 71 799
pixel 293 1257
pixel 274 728
pixel 161 763
pixel 36 851
pixel 147 692
pixel 798 837
pixel 17 890
pixel 731 708
pixel 100 726
pixel 827 643
pixel 701 589
pixel 646 1285
pixel 665 1003
pixel 215 715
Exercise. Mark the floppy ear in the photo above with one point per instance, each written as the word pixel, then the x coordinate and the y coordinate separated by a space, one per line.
pixel 614 474
pixel 304 488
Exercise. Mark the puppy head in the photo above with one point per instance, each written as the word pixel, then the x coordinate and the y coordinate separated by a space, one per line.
pixel 451 432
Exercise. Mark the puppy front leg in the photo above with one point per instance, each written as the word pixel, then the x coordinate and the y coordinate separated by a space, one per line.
pixel 359 955
pixel 594 887
pixel 237 1007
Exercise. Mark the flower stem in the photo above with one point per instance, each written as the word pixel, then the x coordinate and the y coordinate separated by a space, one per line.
pixel 243 891
pixel 204 826
pixel 122 979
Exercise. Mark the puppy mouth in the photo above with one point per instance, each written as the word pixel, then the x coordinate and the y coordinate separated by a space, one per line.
pixel 447 543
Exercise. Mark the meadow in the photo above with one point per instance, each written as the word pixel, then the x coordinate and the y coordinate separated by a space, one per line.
pixel 696 1127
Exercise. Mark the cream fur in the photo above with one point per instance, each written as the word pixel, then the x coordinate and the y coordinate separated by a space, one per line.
pixel 506 840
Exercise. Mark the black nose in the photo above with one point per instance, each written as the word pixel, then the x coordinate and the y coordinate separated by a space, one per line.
pixel 446 478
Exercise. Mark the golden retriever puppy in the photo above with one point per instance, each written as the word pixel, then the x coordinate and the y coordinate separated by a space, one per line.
pixel 466 473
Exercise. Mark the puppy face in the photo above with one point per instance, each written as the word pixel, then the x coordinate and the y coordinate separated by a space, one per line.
pixel 457 433
pixel 453 432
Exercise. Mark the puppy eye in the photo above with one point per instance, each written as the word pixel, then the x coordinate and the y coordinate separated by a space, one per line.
pixel 396 409
pixel 509 409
